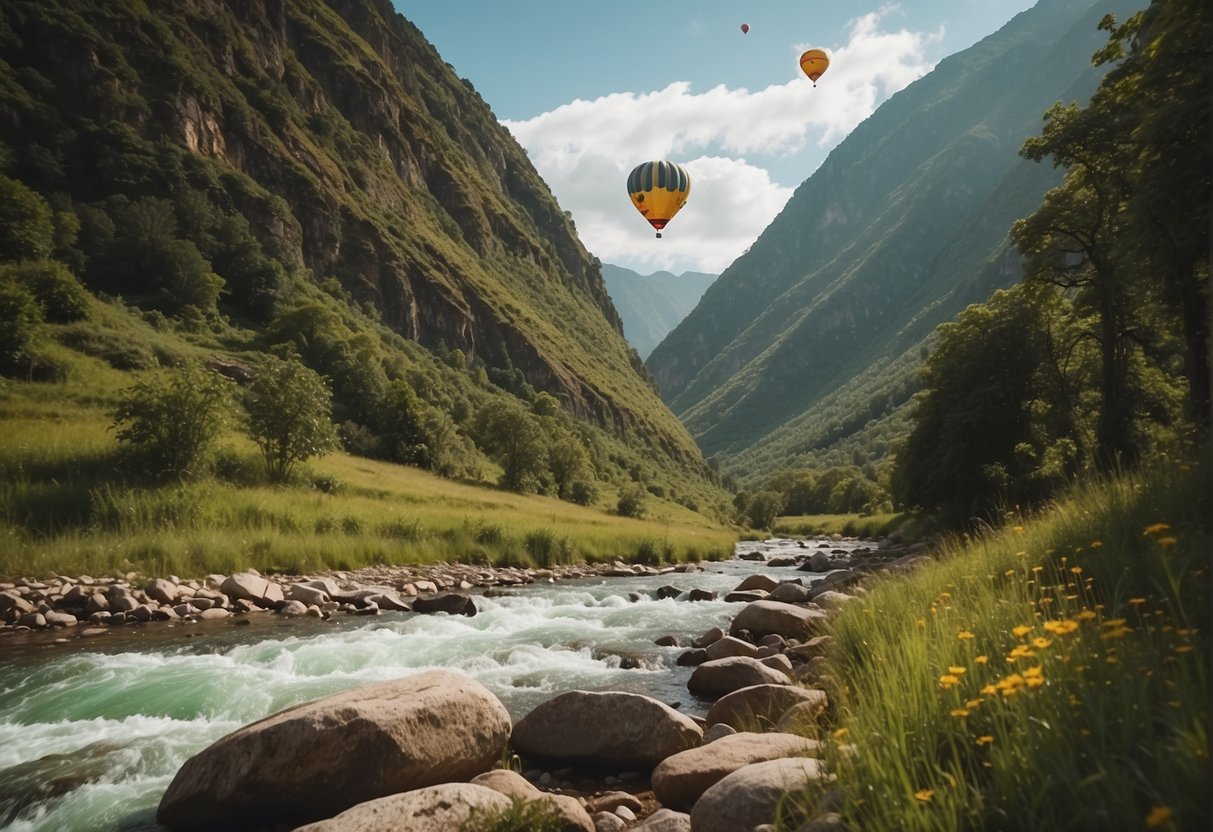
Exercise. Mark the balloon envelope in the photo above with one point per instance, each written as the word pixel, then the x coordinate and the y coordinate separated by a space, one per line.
pixel 814 62
pixel 745 28
pixel 658 191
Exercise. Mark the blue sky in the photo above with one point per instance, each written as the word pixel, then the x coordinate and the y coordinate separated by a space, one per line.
pixel 592 88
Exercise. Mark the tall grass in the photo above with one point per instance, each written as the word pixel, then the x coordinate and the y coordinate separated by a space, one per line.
pixel 1053 675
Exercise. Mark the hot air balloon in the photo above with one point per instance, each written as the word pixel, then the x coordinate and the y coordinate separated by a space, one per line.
pixel 658 190
pixel 745 28
pixel 814 63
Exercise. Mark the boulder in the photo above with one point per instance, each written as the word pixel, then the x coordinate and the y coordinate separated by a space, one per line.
pixel 573 816
pixel 790 593
pixel 831 599
pixel 293 609
pixel 701 595
pixel 716 678
pixel 777 661
pixel 749 796
pixel 819 561
pixel 665 820
pixel 682 778
pixel 763 617
pixel 161 591
pixel 251 587
pixel 608 727
pixel 714 634
pixel 608 822
pixel 307 595
pixel 433 809
pixel 728 646
pixel 800 716
pixel 452 604
pixel 690 658
pixel 761 704
pixel 322 757
pixel 717 730
pixel 745 596
pixel 763 582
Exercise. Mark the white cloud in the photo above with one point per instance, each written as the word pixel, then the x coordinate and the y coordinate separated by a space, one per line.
pixel 585 149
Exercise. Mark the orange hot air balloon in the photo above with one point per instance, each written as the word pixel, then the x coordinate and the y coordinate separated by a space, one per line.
pixel 658 190
pixel 745 28
pixel 814 63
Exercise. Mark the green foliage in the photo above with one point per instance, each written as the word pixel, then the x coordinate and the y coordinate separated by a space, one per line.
pixel 763 508
pixel 633 501
pixel 20 325
pixel 27 230
pixel 289 415
pixel 57 290
pixel 521 816
pixel 169 420
pixel 517 442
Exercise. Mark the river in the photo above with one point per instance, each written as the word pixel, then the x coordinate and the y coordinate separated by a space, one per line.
pixel 92 732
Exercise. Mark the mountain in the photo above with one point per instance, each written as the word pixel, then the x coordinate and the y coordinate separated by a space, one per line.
pixel 812 336
pixel 652 305
pixel 290 168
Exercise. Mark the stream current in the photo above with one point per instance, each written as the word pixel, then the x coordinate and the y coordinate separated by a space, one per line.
pixel 92 732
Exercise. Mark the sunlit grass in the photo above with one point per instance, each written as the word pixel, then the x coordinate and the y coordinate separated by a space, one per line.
pixel 1051 676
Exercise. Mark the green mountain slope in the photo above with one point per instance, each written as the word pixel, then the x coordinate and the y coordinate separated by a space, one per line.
pixel 346 154
pixel 652 305
pixel 902 226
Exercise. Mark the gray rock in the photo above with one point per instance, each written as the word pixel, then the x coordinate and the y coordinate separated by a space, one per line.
pixel 608 822
pixel 322 757
pixel 573 816
pixel 161 591
pixel 680 780
pixel 729 646
pixel 763 582
pixel 761 705
pixel 608 727
pixel 780 662
pixel 452 604
pixel 665 820
pixel 790 593
pixel 214 614
pixel 690 658
pixel 293 609
pixel 61 619
pixel 611 801
pixel 716 678
pixel 701 595
pixel 745 596
pixel 749 796
pixel 307 595
pixel 714 634
pixel 33 620
pixel 716 730
pixel 832 600
pixel 441 808
pixel 249 586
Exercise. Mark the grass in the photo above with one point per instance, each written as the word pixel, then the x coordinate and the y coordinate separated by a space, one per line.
pixel 64 508
pixel 1052 675
pixel 909 526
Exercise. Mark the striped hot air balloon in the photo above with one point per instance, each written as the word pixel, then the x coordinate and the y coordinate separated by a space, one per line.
pixel 658 190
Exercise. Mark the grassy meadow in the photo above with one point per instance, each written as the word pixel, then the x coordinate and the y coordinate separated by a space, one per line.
pixel 65 508
pixel 1049 675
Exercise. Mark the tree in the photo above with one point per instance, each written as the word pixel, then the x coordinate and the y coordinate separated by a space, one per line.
pixel 289 415
pixel 171 418
pixel 27 230
pixel 764 507
pixel 20 324
pixel 58 292
pixel 632 501
pixel 513 437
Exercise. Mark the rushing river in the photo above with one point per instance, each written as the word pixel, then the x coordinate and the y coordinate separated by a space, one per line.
pixel 92 732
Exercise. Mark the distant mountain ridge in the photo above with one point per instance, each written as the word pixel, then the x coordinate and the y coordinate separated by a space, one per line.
pixel 903 225
pixel 652 305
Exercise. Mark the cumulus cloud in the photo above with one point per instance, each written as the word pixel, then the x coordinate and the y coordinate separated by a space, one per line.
pixel 585 149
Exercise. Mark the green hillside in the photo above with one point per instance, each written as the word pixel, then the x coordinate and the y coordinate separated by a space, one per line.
pixel 810 335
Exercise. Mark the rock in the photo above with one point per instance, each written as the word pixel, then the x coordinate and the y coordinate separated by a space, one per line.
pixel 608 822
pixel 33 620
pixel 815 646
pixel 392 601
pixel 832 600
pixel 61 619
pixel 93 632
pixel 625 813
pixel 574 817
pixel 763 582
pixel 326 585
pixel 763 617
pixel 252 587
pixel 690 658
pixel 729 646
pixel 666 641
pixel 611 801
pixel 452 604
pixel 790 593
pixel 819 561
pixel 293 609
pixel 717 730
pixel 319 758
pixel 608 727
pixel 751 556
pixel 161 591
pixel 668 591
pixel 721 676
pixel 307 595
pixel 779 662
pixel 746 596
pixel 213 614
pixel 761 705
pixel 749 796
pixel 665 820
pixel 701 595
pixel 714 634
pixel 439 808
pixel 97 602
pixel 798 718
pixel 681 779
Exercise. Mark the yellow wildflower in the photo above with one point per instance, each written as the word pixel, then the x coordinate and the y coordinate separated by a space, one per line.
pixel 1115 622
pixel 1086 615
pixel 986 740
pixel 1158 816
pixel 1137 602
pixel 957 670
pixel 1095 544
pixel 948 680
pixel 1062 627
pixel 924 794
pixel 989 690
pixel 1155 528
pixel 1167 541
pixel 959 712
pixel 1040 642
pixel 840 733
pixel 982 659
pixel 1037 568
pixel 1020 630
pixel 1116 632
pixel 973 703
pixel 1010 573
pixel 1076 570
pixel 964 634
pixel 1018 530
pixel 1183 648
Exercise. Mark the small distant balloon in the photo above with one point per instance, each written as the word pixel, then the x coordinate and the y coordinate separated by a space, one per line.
pixel 658 191
pixel 745 28
pixel 814 63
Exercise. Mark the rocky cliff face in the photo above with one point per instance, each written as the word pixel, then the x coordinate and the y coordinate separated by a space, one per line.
pixel 374 164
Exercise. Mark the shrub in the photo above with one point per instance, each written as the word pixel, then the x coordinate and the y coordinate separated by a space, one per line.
pixel 289 415
pixel 20 322
pixel 59 293
pixel 632 501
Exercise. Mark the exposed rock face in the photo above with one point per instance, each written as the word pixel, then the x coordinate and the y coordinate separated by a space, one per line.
pixel 434 809
pixel 624 728
pixel 764 617
pixel 319 758
pixel 716 678
pixel 679 780
pixel 749 796
pixel 761 704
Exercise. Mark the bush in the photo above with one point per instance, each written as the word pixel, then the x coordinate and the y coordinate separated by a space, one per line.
pixel 20 322
pixel 169 420
pixel 59 293
pixel 632 501
pixel 583 492
pixel 289 415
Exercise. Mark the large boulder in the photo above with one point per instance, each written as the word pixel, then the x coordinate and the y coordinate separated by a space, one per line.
pixel 452 604
pixel 679 780
pixel 763 582
pixel 665 820
pixel 720 676
pixel 790 593
pixel 609 727
pixel 728 646
pixel 251 587
pixel 322 757
pixel 433 809
pixel 749 796
pixel 573 816
pixel 765 617
pixel 761 704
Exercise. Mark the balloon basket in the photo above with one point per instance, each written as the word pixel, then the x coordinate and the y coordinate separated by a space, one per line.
pixel 658 235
